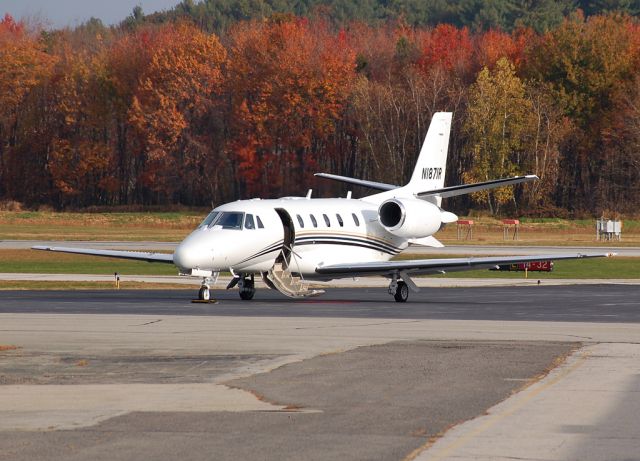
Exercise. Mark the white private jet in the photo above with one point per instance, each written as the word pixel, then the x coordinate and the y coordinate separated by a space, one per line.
pixel 291 241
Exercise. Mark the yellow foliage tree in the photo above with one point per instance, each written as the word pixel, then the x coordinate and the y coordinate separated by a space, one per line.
pixel 496 127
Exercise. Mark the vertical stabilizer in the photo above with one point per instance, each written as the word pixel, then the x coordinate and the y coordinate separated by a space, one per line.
pixel 432 161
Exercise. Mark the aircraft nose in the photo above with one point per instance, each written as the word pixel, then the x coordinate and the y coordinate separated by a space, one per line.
pixel 186 256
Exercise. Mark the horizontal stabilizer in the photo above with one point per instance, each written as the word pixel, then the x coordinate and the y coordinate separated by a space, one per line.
pixel 357 182
pixel 430 241
pixel 136 255
pixel 470 188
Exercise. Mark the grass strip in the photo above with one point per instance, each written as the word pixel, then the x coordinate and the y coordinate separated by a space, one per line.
pixel 48 285
pixel 46 262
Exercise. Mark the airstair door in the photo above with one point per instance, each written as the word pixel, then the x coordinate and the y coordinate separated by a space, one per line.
pixel 289 236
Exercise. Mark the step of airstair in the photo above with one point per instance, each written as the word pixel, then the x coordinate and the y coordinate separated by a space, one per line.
pixel 288 284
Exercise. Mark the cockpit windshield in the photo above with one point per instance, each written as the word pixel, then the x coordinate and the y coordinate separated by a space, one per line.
pixel 230 220
pixel 223 220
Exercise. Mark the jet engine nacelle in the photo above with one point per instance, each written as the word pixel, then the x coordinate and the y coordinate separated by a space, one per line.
pixel 409 218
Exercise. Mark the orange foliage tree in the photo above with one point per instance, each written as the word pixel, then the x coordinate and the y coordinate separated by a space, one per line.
pixel 288 83
pixel 166 113
pixel 24 65
pixel 171 111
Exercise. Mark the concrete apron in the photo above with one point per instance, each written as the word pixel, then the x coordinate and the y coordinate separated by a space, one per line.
pixel 585 409
pixel 56 407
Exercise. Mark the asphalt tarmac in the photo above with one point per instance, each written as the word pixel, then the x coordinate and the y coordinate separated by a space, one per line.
pixel 564 303
pixel 350 375
pixel 374 403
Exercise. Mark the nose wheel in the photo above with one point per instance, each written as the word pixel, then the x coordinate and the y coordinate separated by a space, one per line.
pixel 204 294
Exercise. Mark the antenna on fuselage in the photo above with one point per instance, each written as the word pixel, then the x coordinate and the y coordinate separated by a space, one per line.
pixel 309 193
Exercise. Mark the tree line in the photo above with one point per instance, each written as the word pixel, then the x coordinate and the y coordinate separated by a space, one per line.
pixel 540 15
pixel 166 113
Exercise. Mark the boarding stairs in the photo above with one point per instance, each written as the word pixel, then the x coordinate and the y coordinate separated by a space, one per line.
pixel 289 284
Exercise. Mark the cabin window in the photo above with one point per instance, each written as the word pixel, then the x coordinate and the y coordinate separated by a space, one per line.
pixel 248 222
pixel 230 220
pixel 355 219
pixel 300 221
pixel 313 220
pixel 260 225
pixel 326 220
pixel 340 220
pixel 209 219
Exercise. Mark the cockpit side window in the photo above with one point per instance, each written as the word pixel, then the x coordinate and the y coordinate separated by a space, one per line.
pixel 355 219
pixel 230 220
pixel 326 220
pixel 211 217
pixel 248 222
pixel 300 221
pixel 313 220
pixel 260 225
pixel 340 220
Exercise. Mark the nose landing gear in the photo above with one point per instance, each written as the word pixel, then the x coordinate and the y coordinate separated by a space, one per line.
pixel 204 293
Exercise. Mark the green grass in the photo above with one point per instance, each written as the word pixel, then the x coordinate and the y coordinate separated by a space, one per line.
pixel 32 261
pixel 596 268
pixel 48 285
pixel 592 268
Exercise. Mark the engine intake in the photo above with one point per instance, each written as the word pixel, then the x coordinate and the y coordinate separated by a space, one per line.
pixel 410 218
pixel 391 214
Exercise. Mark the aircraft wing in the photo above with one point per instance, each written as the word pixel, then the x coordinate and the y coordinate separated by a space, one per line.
pixel 358 182
pixel 440 265
pixel 136 255
pixel 469 188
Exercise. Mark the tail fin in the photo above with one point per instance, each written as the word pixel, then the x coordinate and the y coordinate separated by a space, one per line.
pixel 432 161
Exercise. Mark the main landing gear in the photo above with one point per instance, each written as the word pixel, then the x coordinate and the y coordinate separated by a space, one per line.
pixel 399 290
pixel 247 287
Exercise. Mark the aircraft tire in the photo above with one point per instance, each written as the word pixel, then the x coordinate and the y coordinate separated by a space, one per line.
pixel 204 294
pixel 247 295
pixel 402 292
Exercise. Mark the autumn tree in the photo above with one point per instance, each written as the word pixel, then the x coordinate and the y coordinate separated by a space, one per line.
pixel 586 62
pixel 423 71
pixel 81 159
pixel 288 82
pixel 24 64
pixel 174 114
pixel 496 125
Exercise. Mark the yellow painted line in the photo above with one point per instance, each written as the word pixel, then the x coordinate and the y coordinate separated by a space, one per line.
pixel 492 420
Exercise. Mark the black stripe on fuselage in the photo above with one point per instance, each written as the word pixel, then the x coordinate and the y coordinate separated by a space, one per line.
pixel 324 238
pixel 267 250
pixel 351 244
pixel 329 240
